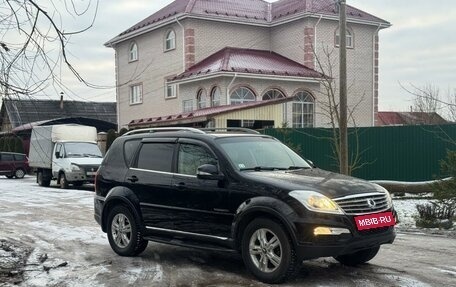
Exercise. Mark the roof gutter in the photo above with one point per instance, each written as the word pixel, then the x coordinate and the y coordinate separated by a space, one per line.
pixel 246 75
pixel 373 76
pixel 228 89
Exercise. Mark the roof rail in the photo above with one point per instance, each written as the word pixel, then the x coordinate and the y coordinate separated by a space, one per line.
pixel 154 130
pixel 244 130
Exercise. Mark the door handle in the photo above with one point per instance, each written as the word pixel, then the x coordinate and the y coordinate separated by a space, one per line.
pixel 133 178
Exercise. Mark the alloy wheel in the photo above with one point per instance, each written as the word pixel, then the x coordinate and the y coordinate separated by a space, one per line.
pixel 121 230
pixel 265 250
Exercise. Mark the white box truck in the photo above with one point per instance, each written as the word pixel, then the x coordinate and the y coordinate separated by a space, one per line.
pixel 68 153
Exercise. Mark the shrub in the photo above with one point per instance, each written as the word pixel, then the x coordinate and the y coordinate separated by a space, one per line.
pixel 435 215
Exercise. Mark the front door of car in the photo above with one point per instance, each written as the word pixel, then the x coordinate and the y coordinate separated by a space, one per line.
pixel 201 206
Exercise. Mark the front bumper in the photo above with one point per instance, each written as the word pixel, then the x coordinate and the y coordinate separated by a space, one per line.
pixel 310 246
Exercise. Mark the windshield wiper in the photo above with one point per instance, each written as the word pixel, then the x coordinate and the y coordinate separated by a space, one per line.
pixel 260 168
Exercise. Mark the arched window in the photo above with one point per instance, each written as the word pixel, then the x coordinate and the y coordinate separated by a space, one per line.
pixel 348 37
pixel 242 95
pixel 303 110
pixel 170 40
pixel 272 95
pixel 133 55
pixel 215 96
pixel 201 99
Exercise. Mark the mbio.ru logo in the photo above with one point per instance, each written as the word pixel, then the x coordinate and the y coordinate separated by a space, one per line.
pixel 375 220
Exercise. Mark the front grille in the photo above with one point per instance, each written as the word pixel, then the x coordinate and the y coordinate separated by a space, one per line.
pixel 363 203
pixel 375 231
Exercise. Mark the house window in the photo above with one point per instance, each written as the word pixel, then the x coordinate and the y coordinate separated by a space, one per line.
pixel 215 96
pixel 187 106
pixel 170 91
pixel 201 99
pixel 133 55
pixel 348 37
pixel 303 110
pixel 136 94
pixel 242 95
pixel 272 95
pixel 170 40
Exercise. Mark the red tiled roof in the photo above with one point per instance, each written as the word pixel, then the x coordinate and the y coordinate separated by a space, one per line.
pixel 248 61
pixel 254 11
pixel 283 8
pixel 409 118
pixel 204 113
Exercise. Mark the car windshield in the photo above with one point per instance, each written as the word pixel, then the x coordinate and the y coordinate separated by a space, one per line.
pixel 260 153
pixel 82 149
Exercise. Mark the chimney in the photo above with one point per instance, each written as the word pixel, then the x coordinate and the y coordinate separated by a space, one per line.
pixel 61 100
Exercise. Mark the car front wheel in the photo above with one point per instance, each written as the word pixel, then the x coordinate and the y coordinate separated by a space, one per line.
pixel 268 252
pixel 63 181
pixel 358 257
pixel 124 232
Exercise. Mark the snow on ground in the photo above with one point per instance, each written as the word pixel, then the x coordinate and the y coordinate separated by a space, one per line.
pixel 68 248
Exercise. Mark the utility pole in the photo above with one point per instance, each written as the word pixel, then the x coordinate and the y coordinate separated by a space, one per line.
pixel 343 157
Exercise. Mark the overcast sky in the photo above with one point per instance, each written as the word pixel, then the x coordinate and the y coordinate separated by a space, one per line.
pixel 420 47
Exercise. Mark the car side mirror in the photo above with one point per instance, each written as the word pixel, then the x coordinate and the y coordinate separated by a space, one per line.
pixel 209 172
pixel 57 154
pixel 311 163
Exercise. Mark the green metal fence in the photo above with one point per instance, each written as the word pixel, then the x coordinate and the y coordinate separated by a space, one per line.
pixel 404 153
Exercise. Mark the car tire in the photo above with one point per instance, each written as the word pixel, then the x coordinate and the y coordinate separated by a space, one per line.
pixel 124 232
pixel 63 181
pixel 268 251
pixel 41 181
pixel 358 257
pixel 19 173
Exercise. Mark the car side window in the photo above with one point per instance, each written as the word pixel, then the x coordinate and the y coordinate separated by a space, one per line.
pixel 7 157
pixel 19 157
pixel 130 148
pixel 191 157
pixel 156 156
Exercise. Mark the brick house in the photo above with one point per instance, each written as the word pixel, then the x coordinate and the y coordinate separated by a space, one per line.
pixel 196 57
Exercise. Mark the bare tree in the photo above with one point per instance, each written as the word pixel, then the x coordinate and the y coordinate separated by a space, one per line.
pixel 33 42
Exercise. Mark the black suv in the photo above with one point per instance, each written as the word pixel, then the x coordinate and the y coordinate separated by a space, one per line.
pixel 236 191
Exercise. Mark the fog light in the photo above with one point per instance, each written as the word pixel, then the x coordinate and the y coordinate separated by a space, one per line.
pixel 321 230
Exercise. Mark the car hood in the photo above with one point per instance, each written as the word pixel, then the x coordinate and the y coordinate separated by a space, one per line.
pixel 86 160
pixel 330 184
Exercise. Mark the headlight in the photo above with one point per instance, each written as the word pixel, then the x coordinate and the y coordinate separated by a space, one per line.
pixel 315 201
pixel 74 167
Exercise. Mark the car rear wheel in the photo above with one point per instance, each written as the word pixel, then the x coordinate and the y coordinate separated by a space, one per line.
pixel 63 181
pixel 358 257
pixel 268 252
pixel 41 180
pixel 19 173
pixel 124 232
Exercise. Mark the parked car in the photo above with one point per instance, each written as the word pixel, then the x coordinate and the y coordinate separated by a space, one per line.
pixel 13 164
pixel 237 192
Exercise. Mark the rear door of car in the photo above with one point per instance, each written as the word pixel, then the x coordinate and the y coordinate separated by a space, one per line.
pixel 150 177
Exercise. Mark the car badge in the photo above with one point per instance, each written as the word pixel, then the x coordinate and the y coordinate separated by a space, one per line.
pixel 371 203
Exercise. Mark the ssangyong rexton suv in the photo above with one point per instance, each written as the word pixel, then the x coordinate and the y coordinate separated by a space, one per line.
pixel 237 192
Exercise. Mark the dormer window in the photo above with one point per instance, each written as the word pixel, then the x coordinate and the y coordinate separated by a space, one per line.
pixel 133 55
pixel 170 40
pixel 348 37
